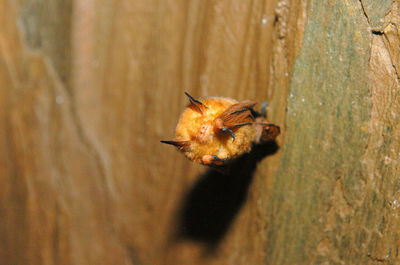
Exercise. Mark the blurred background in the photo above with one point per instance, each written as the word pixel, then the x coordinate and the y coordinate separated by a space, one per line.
pixel 89 88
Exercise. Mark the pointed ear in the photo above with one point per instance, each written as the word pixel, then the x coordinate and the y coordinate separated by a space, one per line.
pixel 179 144
pixel 196 104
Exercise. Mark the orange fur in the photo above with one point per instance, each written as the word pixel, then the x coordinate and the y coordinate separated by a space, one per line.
pixel 204 125
pixel 205 139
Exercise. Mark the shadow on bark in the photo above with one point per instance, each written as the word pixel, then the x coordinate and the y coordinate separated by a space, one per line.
pixel 211 205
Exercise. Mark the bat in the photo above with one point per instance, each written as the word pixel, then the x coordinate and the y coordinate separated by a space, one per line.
pixel 214 131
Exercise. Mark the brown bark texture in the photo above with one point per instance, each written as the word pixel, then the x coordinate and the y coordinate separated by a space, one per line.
pixel 89 88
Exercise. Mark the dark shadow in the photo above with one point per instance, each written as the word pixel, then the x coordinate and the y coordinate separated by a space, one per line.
pixel 211 205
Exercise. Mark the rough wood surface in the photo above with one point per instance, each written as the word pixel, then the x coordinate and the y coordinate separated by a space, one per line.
pixel 336 194
pixel 88 88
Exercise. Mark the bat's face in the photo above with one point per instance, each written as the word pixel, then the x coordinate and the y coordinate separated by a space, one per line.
pixel 215 130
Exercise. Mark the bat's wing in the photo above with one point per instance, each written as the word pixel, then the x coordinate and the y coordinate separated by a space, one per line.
pixel 236 115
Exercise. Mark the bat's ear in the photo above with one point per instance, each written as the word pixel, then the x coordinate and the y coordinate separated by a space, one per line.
pixel 179 144
pixel 196 104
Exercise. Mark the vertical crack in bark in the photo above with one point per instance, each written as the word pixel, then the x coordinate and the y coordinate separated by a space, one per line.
pixel 376 31
pixel 281 20
pixel 364 12
pixel 388 49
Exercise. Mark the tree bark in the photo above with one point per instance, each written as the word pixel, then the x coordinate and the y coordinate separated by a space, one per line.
pixel 89 88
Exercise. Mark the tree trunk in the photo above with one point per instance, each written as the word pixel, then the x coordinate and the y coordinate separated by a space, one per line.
pixel 89 88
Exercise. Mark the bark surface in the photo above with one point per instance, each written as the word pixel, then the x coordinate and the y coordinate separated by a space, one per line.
pixel 89 88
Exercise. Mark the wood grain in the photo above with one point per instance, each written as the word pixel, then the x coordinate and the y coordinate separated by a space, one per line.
pixel 339 166
pixel 89 88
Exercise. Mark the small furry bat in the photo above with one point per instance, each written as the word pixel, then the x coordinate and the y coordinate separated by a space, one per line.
pixel 215 130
